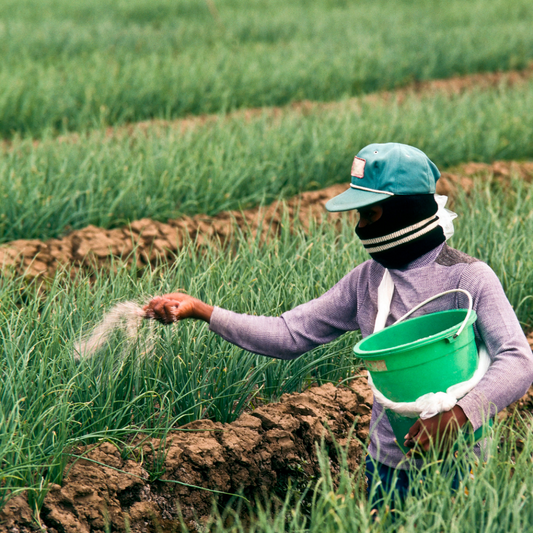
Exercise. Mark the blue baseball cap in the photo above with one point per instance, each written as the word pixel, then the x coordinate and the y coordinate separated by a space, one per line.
pixel 380 171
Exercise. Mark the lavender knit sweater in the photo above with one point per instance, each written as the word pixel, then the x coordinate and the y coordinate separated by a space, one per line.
pixel 352 304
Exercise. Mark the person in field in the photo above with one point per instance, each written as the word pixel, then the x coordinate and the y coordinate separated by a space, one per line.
pixel 393 190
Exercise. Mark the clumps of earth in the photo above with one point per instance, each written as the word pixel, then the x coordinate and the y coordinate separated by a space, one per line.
pixel 146 241
pixel 256 455
pixel 259 453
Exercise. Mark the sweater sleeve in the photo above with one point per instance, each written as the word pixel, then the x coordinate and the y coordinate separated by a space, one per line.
pixel 511 371
pixel 297 331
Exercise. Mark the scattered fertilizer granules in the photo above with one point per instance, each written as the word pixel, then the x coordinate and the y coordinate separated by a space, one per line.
pixel 126 317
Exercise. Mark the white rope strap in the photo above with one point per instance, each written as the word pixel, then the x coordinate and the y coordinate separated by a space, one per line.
pixel 433 403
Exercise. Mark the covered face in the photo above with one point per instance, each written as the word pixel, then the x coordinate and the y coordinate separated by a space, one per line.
pixel 401 180
pixel 407 228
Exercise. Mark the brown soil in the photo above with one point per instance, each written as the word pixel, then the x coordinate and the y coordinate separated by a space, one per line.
pixel 449 86
pixel 256 454
pixel 146 241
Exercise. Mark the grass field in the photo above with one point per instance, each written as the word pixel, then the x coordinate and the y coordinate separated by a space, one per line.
pixel 83 66
pixel 497 497
pixel 50 188
pixel 49 402
pixel 77 65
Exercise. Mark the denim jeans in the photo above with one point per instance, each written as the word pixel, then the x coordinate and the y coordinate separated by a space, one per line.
pixel 397 483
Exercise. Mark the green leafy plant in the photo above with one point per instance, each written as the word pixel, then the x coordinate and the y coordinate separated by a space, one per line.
pixel 69 66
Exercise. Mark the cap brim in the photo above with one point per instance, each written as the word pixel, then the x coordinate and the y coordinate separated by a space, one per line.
pixel 354 199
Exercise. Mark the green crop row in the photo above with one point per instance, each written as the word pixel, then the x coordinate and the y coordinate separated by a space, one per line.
pixel 493 496
pixel 76 65
pixel 49 402
pixel 50 188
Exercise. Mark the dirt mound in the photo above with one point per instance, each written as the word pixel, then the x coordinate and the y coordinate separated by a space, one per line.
pixel 147 241
pixel 257 454
pixel 448 86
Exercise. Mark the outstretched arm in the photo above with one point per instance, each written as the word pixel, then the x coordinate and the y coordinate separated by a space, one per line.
pixel 285 337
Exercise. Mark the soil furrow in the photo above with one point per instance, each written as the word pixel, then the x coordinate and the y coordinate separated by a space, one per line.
pixel 448 86
pixel 146 241
pixel 257 455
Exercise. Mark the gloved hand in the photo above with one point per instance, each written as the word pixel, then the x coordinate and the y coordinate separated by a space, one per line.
pixel 439 430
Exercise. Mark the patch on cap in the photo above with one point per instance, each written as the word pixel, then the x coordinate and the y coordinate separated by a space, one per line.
pixel 358 167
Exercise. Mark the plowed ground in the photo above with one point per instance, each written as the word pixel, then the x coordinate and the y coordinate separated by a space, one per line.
pixel 144 486
pixel 257 454
pixel 146 241
pixel 150 483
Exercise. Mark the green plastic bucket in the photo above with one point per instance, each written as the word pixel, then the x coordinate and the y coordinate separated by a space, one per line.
pixel 425 354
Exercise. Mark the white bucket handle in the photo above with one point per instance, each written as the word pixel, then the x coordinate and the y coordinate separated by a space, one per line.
pixel 470 306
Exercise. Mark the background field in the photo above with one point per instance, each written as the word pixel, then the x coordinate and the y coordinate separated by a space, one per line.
pixel 73 65
pixel 72 69
pixel 162 173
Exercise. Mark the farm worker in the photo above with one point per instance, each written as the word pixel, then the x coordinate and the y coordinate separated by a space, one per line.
pixel 393 190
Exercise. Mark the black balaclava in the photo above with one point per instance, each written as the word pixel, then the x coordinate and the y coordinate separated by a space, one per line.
pixel 407 229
